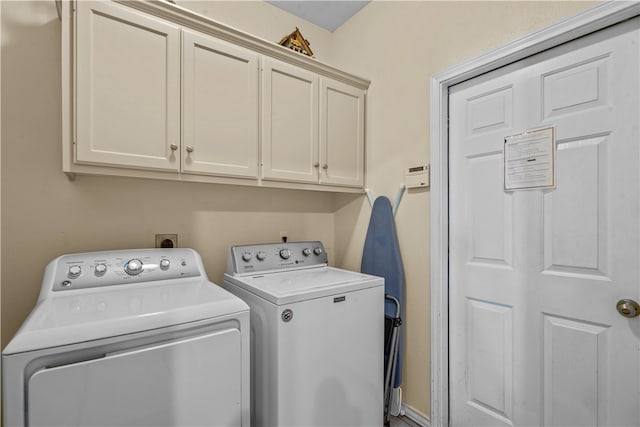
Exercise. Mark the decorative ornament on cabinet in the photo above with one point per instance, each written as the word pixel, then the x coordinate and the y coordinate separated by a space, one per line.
pixel 296 42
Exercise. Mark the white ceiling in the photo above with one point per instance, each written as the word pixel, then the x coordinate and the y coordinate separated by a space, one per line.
pixel 328 14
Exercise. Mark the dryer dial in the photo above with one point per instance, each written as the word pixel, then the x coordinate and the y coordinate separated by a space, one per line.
pixel 74 272
pixel 100 269
pixel 133 267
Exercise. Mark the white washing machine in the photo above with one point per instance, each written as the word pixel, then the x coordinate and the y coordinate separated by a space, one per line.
pixel 129 338
pixel 317 336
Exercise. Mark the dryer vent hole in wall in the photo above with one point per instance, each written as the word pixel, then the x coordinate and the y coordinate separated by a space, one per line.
pixel 166 240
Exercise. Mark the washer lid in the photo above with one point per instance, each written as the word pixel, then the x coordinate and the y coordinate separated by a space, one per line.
pixel 86 315
pixel 305 284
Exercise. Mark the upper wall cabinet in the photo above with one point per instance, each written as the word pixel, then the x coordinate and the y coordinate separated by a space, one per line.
pixel 289 123
pixel 220 107
pixel 308 137
pixel 128 88
pixel 341 134
pixel 153 90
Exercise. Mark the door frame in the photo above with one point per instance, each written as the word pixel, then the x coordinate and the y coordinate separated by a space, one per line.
pixel 591 20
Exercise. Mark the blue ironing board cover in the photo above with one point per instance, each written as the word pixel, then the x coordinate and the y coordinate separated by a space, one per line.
pixel 381 257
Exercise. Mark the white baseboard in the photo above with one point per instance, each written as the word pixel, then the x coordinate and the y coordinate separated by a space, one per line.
pixel 415 416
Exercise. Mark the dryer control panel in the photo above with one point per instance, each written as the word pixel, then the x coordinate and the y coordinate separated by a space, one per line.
pixel 245 259
pixel 94 269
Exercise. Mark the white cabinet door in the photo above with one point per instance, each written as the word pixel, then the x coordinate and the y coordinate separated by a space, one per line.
pixel 535 276
pixel 341 134
pixel 289 123
pixel 220 101
pixel 128 88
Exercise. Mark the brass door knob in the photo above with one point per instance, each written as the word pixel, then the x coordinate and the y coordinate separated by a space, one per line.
pixel 628 308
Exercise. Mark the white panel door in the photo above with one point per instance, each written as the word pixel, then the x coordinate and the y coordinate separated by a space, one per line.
pixel 341 134
pixel 220 99
pixel 289 123
pixel 128 88
pixel 535 338
pixel 189 382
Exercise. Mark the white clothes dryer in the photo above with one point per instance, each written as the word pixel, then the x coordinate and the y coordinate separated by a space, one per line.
pixel 129 338
pixel 317 336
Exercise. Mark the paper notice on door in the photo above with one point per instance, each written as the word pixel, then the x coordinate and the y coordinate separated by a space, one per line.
pixel 530 160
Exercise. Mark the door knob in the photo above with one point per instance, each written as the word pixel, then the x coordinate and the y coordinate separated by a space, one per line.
pixel 189 149
pixel 173 147
pixel 628 308
pixel 325 166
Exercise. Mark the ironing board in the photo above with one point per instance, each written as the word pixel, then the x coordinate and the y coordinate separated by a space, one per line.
pixel 381 257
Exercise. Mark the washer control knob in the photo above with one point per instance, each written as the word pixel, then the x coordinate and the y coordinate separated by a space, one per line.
pixel 133 267
pixel 306 252
pixel 317 250
pixel 285 254
pixel 246 256
pixel 165 264
pixel 261 256
pixel 100 269
pixel 74 272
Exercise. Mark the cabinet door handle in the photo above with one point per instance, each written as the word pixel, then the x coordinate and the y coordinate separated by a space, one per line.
pixel 173 147
pixel 325 166
pixel 316 165
pixel 189 149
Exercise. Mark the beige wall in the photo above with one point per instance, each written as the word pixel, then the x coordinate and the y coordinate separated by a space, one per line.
pixel 398 45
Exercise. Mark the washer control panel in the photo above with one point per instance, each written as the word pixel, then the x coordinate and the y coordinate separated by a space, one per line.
pixel 275 256
pixel 93 269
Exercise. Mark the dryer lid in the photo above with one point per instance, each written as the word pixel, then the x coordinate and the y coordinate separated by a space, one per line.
pixel 86 315
pixel 305 284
